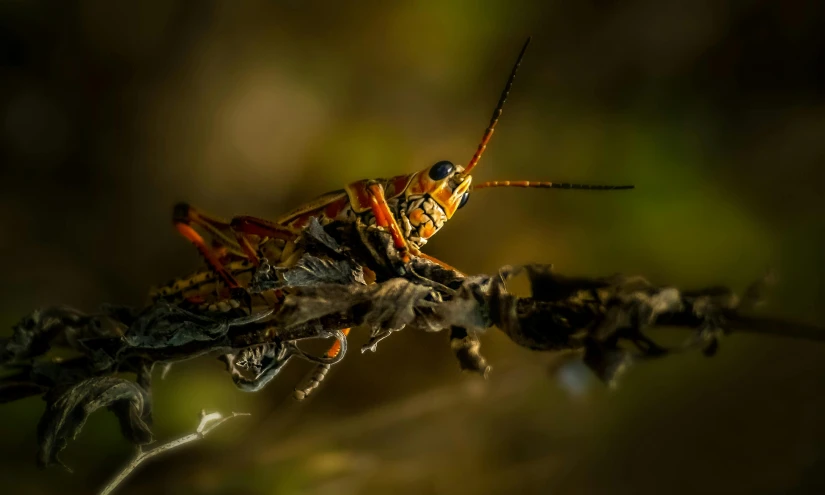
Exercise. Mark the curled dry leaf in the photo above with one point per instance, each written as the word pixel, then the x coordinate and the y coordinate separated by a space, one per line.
pixel 68 409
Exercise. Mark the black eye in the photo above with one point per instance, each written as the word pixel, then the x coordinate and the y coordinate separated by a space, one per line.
pixel 441 170
pixel 464 200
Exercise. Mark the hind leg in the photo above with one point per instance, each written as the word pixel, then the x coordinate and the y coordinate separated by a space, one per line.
pixel 244 226
pixel 229 239
pixel 303 389
pixel 185 217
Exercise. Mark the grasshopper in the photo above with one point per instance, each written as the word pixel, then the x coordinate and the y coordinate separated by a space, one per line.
pixel 411 208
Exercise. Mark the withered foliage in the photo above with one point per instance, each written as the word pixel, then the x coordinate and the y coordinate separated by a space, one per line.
pixel 606 320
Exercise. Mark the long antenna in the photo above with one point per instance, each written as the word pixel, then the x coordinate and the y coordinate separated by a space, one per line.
pixel 546 185
pixel 496 113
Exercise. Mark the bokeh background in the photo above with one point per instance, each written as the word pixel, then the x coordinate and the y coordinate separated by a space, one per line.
pixel 111 111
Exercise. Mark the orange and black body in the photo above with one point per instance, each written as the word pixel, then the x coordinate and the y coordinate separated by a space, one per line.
pixel 419 204
pixel 412 208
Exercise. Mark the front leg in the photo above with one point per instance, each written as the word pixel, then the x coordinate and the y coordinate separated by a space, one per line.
pixel 384 218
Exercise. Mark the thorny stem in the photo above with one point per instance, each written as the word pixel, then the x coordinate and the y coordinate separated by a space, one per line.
pixel 208 423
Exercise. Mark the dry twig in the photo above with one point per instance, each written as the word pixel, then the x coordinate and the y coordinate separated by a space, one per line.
pixel 208 422
pixel 604 320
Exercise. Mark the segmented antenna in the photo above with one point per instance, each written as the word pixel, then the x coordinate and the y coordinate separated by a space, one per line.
pixel 496 113
pixel 546 185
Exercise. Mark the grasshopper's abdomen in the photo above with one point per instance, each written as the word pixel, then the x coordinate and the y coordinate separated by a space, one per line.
pixel 205 289
pixel 201 284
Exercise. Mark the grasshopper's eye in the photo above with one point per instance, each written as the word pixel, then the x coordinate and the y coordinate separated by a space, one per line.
pixel 441 170
pixel 464 199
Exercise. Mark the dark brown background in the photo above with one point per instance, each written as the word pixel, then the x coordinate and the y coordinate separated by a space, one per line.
pixel 111 111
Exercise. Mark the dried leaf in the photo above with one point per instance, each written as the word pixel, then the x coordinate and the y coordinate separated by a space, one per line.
pixel 466 347
pixel 66 414
pixel 315 235
pixel 164 325
pixel 311 270
pixel 33 335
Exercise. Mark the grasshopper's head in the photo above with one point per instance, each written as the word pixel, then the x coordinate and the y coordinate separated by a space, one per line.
pixel 434 194
pixel 431 198
pixel 443 183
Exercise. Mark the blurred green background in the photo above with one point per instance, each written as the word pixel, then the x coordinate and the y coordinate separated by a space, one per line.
pixel 112 111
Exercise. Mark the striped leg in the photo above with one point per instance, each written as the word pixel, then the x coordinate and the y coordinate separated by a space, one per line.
pixel 317 375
